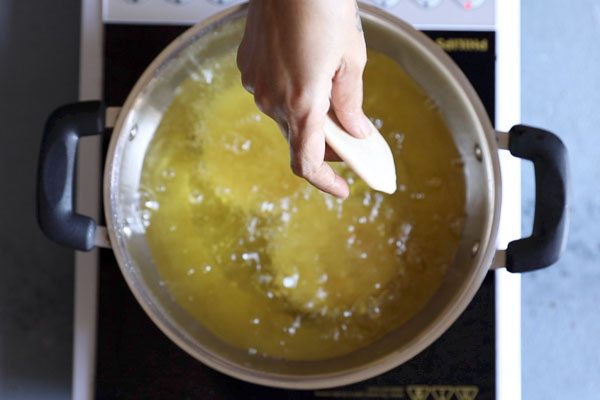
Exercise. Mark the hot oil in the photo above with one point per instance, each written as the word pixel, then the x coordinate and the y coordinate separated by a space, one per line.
pixel 272 265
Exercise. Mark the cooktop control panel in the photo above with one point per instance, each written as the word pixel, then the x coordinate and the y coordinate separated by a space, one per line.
pixel 423 14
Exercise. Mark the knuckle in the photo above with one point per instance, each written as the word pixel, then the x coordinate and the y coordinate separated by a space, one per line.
pixel 247 81
pixel 354 67
pixel 262 98
pixel 361 61
pixel 302 168
pixel 299 101
pixel 263 107
pixel 248 86
pixel 345 102
pixel 304 108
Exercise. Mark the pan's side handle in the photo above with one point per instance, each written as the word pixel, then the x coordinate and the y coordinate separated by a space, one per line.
pixel 56 174
pixel 551 218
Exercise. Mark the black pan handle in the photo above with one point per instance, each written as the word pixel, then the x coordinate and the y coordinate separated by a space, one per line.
pixel 551 219
pixel 56 174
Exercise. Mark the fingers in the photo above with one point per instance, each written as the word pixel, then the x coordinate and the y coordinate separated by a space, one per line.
pixel 307 151
pixel 347 97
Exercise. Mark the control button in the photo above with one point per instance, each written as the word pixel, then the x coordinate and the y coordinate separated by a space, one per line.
pixel 470 4
pixel 385 3
pixel 428 3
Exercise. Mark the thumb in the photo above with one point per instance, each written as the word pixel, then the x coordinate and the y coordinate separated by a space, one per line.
pixel 346 101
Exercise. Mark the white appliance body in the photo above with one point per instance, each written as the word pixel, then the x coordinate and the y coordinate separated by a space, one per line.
pixel 501 16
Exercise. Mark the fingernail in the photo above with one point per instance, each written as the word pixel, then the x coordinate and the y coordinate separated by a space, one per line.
pixel 343 194
pixel 343 190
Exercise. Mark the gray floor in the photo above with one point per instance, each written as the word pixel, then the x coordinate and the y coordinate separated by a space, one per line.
pixel 561 91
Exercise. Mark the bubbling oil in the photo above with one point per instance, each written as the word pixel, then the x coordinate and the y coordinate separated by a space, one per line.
pixel 267 262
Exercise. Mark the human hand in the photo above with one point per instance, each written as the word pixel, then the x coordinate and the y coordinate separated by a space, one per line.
pixel 302 59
